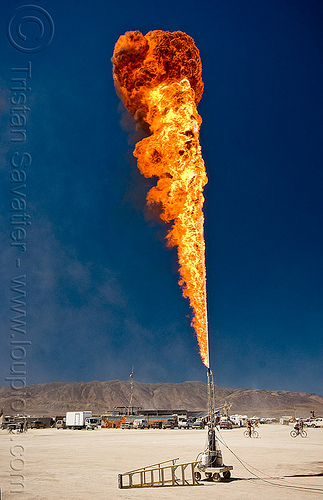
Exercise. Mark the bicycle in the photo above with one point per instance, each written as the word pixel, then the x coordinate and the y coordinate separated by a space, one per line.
pixel 254 433
pixel 298 432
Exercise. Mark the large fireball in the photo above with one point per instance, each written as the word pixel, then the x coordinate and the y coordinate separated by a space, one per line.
pixel 158 77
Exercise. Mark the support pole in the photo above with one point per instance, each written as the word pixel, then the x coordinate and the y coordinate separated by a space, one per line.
pixel 212 443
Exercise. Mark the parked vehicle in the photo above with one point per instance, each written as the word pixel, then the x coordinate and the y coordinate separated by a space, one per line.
pixel 127 425
pixel 267 420
pixel 309 422
pixel 318 422
pixel 91 423
pixel 37 424
pixel 198 424
pixel 158 424
pixel 225 424
pixel 141 423
pixel 60 424
pixel 184 424
pixel 77 419
pixel 7 424
pixel 238 420
pixel 170 423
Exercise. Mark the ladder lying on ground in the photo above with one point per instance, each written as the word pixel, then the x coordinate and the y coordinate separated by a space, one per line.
pixel 160 475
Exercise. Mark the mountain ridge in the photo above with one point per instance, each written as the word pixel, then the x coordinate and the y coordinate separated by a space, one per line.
pixel 55 398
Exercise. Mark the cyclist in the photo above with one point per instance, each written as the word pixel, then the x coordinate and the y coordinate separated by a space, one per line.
pixel 296 425
pixel 249 427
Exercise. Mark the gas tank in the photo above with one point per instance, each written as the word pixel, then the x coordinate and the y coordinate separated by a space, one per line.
pixel 205 459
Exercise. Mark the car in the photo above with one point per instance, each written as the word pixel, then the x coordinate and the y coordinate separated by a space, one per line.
pixel 145 425
pixel 170 423
pixel 60 424
pixel 225 424
pixel 198 424
pixel 127 425
pixel 37 424
pixel 7 424
pixel 184 424
pixel 309 422
pixel 318 422
pixel 158 424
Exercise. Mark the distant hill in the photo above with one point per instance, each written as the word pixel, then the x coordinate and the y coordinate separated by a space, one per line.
pixel 58 397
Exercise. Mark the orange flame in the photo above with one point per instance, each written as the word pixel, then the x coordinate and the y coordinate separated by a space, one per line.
pixel 158 77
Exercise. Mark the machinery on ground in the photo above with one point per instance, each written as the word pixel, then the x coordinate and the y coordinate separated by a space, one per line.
pixel 211 462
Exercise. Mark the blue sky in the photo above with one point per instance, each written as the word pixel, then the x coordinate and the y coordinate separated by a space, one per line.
pixel 101 287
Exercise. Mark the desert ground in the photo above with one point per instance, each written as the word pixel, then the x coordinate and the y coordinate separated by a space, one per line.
pixel 76 464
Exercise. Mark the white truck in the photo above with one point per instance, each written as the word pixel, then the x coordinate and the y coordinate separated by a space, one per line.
pixel 184 423
pixel 77 419
pixel 92 423
pixel 140 423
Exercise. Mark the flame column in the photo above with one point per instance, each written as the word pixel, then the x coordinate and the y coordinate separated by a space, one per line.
pixel 173 153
